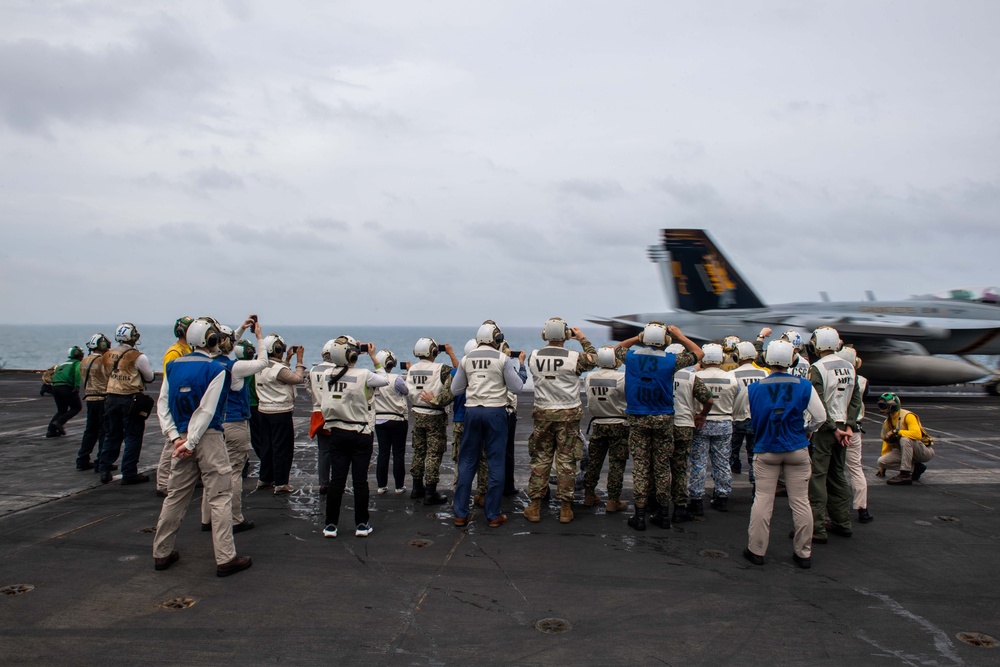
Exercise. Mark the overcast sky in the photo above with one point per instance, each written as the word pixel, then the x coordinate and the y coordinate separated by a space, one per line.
pixel 442 162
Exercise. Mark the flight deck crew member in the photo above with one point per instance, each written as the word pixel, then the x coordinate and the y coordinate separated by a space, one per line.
pixel 905 444
pixel 557 412
pixel 605 390
pixel 429 386
pixel 836 383
pixel 689 391
pixel 391 425
pixel 175 351
pixel 852 457
pixel 250 359
pixel 712 441
pixel 746 373
pixel 276 395
pixel 800 362
pixel 485 375
pixel 94 381
pixel 777 403
pixel 649 393
pixel 346 395
pixel 128 371
pixel 191 409
pixel 66 392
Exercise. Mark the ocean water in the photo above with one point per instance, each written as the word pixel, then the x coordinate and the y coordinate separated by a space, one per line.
pixel 36 347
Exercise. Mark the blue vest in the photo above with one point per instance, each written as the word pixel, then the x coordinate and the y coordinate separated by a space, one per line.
pixel 776 406
pixel 238 403
pixel 649 383
pixel 189 377
pixel 458 405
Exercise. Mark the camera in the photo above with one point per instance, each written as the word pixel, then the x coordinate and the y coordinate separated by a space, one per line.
pixel 363 348
pixel 404 365
pixel 293 349
pixel 514 354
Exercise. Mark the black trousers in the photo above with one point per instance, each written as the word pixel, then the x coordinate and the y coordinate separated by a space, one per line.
pixel 391 440
pixel 351 450
pixel 67 406
pixel 93 433
pixel 277 447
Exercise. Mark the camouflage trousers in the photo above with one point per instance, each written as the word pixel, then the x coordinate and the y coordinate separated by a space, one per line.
pixel 430 441
pixel 711 441
pixel 609 440
pixel 483 472
pixel 651 443
pixel 561 441
pixel 679 464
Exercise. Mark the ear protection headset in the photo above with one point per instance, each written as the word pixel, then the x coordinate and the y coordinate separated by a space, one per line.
pixel 654 334
pixel 75 353
pixel 245 350
pixel 490 334
pixel 181 326
pixel 555 329
pixel 426 348
pixel 98 343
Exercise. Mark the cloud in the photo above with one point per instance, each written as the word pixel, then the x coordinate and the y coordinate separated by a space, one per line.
pixel 213 178
pixel 689 194
pixel 591 189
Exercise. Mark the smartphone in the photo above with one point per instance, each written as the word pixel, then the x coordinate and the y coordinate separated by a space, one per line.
pixel 404 365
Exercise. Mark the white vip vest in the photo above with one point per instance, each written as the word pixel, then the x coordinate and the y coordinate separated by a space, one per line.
pixel 316 375
pixel 424 376
pixel 745 376
pixel 839 378
pixel 389 403
pixel 605 389
pixel 557 385
pixel 345 404
pixel 484 371
pixel 274 396
pixel 684 409
pixel 862 386
pixel 723 386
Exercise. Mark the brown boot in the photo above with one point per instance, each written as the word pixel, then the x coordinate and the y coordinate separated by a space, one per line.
pixel 566 511
pixel 533 512
pixel 615 505
pixel 904 477
pixel 479 500
pixel 590 498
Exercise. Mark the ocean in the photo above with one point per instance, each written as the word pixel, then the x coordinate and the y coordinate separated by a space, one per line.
pixel 36 347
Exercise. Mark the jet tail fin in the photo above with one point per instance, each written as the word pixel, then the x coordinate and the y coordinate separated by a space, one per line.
pixel 699 276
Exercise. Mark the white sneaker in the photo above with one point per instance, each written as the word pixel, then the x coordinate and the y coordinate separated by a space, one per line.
pixel 364 530
pixel 401 490
pixel 382 490
pixel 330 530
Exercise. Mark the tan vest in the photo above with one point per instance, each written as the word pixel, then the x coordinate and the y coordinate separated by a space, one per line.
pixel 95 386
pixel 123 382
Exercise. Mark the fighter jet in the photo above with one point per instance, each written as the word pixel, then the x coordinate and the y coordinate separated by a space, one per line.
pixel 898 340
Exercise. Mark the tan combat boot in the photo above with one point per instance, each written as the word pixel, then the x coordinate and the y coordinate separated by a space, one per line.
pixel 590 498
pixel 533 512
pixel 479 499
pixel 615 505
pixel 566 512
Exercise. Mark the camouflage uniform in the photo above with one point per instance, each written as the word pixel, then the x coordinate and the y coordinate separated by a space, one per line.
pixel 556 435
pixel 683 435
pixel 711 441
pixel 430 441
pixel 609 440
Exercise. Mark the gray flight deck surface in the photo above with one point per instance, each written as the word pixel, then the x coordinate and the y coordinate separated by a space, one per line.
pixel 419 591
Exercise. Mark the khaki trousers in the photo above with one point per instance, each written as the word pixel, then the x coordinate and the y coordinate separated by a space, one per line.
pixel 901 458
pixel 237 435
pixel 163 467
pixel 211 463
pixel 797 468
pixel 855 471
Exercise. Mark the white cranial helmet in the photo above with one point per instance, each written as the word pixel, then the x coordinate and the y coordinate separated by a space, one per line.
pixel 779 353
pixel 675 348
pixel 826 338
pixel 745 350
pixel 489 333
pixel 275 345
pixel 555 329
pixel 203 332
pixel 328 351
pixel 850 355
pixel 714 354
pixel 470 345
pixel 99 343
pixel 227 338
pixel 729 343
pixel 655 335
pixel 387 359
pixel 793 337
pixel 126 333
pixel 425 348
pixel 606 357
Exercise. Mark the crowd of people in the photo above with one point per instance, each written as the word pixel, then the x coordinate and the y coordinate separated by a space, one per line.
pixel 681 412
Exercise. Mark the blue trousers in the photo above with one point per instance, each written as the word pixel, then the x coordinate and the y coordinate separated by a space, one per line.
pixel 121 429
pixel 485 431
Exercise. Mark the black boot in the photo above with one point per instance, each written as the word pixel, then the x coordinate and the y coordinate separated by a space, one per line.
pixel 681 514
pixel 720 503
pixel 662 518
pixel 638 521
pixel 418 488
pixel 697 507
pixel 432 497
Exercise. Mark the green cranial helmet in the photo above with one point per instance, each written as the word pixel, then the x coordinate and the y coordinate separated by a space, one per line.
pixel 181 326
pixel 888 402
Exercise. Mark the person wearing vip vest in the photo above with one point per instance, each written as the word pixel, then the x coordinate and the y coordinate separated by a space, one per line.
pixel 781 443
pixel 649 404
pixel 429 387
pixel 608 428
pixel 94 381
pixel 276 395
pixel 458 427
pixel 746 373
pixel 689 392
pixel 66 392
pixel 323 445
pixel 905 444
pixel 557 412
pixel 128 371
pixel 346 402
pixel 175 351
pixel 852 457
pixel 486 375
pixel 712 441
pixel 250 359
pixel 391 425
pixel 191 408
pixel 835 380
